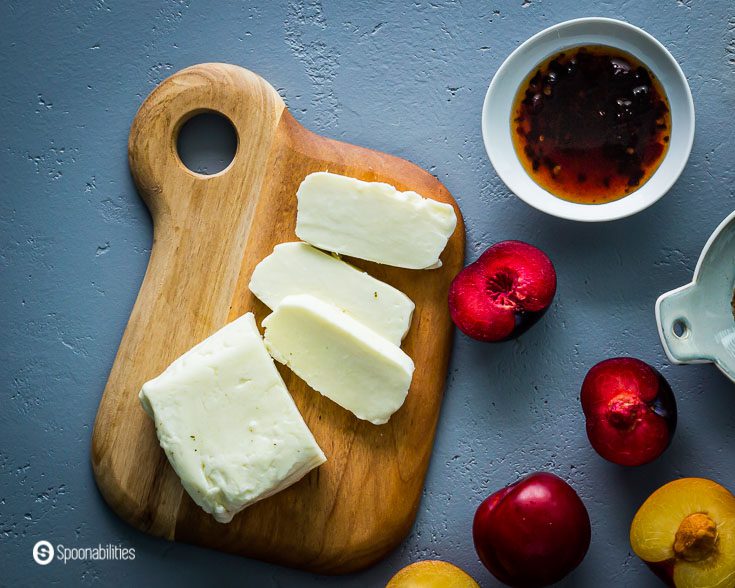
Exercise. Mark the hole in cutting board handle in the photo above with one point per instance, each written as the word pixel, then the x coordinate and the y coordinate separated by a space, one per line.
pixel 206 143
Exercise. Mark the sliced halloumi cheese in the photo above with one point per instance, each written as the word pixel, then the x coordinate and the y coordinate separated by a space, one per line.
pixel 229 427
pixel 373 221
pixel 339 357
pixel 299 268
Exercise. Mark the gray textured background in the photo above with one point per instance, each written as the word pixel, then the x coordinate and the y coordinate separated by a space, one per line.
pixel 405 78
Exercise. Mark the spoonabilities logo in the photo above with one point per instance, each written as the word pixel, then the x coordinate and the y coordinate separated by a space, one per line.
pixel 43 553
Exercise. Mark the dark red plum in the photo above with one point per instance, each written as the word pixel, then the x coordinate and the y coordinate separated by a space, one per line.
pixel 532 533
pixel 503 293
pixel 630 411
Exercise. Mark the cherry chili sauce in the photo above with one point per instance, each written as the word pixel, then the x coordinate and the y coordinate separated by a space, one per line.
pixel 591 124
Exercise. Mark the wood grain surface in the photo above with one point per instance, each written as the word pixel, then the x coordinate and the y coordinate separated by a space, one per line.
pixel 209 233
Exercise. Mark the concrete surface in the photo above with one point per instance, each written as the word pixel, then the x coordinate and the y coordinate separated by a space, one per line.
pixel 407 78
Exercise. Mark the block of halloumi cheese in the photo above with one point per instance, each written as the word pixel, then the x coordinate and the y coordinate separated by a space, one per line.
pixel 299 268
pixel 339 357
pixel 373 221
pixel 229 427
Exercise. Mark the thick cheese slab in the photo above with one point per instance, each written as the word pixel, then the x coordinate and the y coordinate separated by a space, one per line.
pixel 339 357
pixel 229 427
pixel 373 221
pixel 299 268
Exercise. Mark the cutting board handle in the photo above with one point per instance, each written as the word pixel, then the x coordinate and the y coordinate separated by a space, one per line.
pixel 250 103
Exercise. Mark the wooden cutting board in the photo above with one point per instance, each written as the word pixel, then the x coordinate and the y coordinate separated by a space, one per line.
pixel 209 233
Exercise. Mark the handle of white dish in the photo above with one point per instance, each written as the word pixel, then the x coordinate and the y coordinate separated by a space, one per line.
pixel 676 328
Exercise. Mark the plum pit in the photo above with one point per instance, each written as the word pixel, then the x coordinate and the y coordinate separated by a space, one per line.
pixel 696 537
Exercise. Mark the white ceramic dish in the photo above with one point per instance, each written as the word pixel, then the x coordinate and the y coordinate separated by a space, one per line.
pixel 695 322
pixel 496 114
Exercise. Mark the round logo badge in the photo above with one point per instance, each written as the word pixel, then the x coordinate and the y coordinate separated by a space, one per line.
pixel 43 553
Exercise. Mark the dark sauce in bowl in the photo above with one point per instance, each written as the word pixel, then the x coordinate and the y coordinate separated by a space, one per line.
pixel 591 124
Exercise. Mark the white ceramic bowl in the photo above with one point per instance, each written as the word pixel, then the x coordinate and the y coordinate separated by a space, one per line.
pixel 496 114
pixel 695 322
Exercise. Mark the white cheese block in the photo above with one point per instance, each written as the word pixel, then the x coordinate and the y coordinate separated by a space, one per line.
pixel 339 357
pixel 298 268
pixel 229 427
pixel 373 221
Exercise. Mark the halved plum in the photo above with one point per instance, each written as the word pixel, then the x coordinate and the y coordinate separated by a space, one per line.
pixel 630 411
pixel 685 532
pixel 503 293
